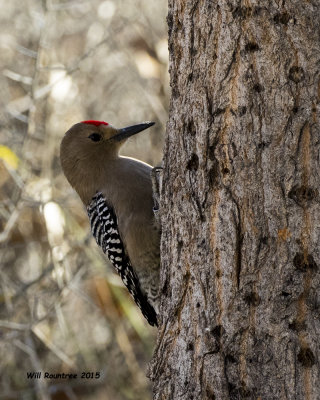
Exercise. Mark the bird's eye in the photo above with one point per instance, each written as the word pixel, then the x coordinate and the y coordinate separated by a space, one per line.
pixel 95 137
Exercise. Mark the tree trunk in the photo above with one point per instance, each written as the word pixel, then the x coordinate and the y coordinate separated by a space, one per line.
pixel 240 203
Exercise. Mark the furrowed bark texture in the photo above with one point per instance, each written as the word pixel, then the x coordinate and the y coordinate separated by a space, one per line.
pixel 240 203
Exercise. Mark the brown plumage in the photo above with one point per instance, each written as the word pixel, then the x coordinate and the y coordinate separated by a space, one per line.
pixel 91 162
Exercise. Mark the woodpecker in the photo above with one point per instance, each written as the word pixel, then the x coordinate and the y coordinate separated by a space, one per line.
pixel 117 194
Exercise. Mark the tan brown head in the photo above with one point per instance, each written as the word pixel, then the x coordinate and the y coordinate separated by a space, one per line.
pixel 88 147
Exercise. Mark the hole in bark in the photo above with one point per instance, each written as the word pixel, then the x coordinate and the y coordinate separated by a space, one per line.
pixel 211 152
pixel 244 392
pixel 193 163
pixel 282 18
pixel 236 393
pixel 213 175
pixel 218 274
pixel 306 357
pixel 252 299
pixel 175 92
pixel 302 194
pixel 242 110
pixel 233 391
pixel 225 171
pixel 298 326
pixel 250 47
pixel 258 88
pixel 263 145
pixel 209 394
pixel 257 11
pixel 179 248
pixel 230 358
pixel 242 12
pixel 165 288
pixel 233 151
pixel 193 51
pixel 296 74
pixel 303 262
pixel 179 25
pixel 198 305
pixel 217 332
pixel 219 111
pixel 191 129
pixel 295 109
pixel 264 240
pixel 190 346
pixel 285 294
pixel 313 300
pixel 170 20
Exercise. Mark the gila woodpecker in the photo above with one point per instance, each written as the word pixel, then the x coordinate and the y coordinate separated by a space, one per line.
pixel 117 193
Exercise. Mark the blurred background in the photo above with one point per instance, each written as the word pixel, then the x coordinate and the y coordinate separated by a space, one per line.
pixel 62 308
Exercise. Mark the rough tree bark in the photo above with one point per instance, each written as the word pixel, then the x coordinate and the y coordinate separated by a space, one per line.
pixel 240 203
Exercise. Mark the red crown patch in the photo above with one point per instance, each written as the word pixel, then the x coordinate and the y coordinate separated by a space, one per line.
pixel 93 122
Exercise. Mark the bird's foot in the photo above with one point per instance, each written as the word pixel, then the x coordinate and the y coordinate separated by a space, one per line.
pixel 156 178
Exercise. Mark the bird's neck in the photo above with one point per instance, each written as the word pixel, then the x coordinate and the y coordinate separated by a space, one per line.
pixel 117 174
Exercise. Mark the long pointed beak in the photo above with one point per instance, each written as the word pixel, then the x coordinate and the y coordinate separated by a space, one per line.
pixel 128 131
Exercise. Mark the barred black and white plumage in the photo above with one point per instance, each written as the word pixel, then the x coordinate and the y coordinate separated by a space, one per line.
pixel 104 228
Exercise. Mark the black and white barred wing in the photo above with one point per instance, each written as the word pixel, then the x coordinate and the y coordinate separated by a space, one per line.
pixel 104 228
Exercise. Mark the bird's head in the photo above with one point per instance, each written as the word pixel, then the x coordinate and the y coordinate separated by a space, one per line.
pixel 89 145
